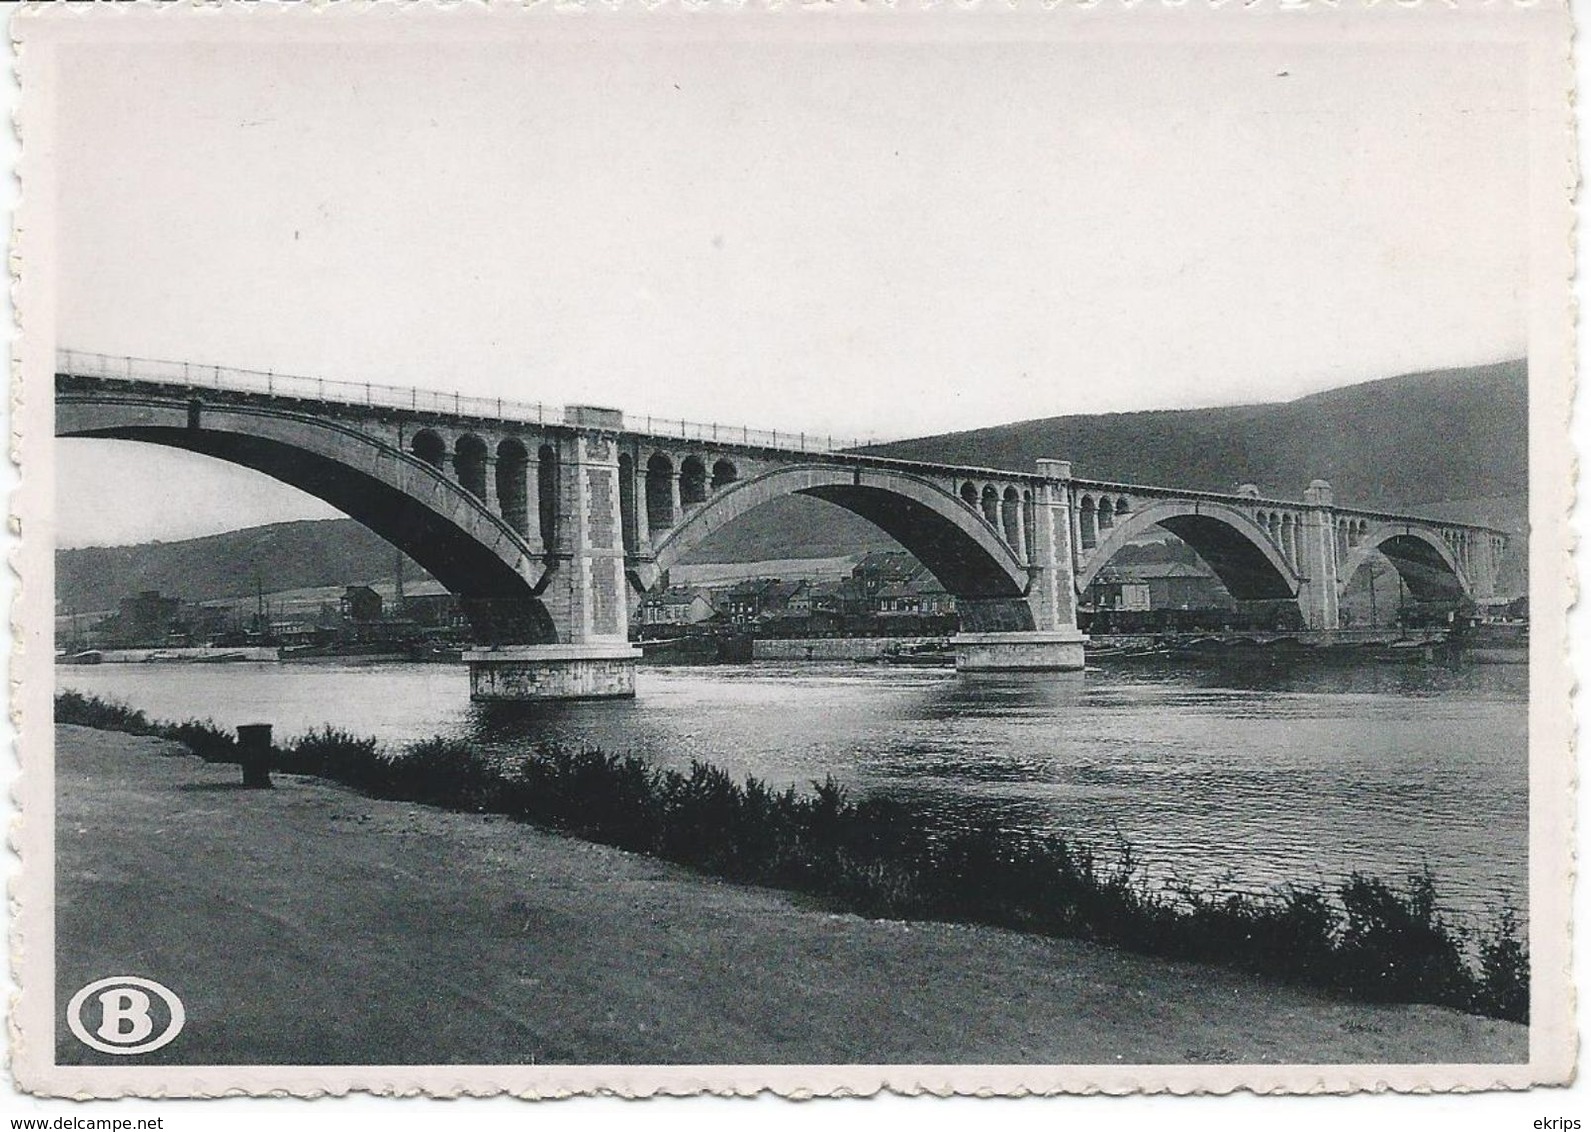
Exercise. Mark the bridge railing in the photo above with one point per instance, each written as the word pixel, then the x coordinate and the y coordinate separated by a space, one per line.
pixel 82 363
pixel 1232 499
pixel 667 428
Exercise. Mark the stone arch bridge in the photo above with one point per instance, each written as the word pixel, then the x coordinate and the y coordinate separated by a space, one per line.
pixel 544 519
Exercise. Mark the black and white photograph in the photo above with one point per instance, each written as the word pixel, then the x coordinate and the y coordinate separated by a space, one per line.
pixel 646 549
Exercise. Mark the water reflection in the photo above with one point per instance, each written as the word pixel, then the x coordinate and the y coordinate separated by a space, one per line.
pixel 1279 673
pixel 992 693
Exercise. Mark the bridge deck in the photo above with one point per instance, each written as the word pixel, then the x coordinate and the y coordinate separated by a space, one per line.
pixel 333 397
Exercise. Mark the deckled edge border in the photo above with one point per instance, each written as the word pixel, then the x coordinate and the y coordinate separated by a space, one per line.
pixel 1555 1066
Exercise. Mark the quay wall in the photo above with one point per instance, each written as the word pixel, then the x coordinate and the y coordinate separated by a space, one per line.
pixel 837 648
pixel 1383 636
pixel 185 653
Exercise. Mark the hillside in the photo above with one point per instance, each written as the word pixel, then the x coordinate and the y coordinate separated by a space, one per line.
pixel 1395 443
pixel 1451 444
pixel 792 527
pixel 281 556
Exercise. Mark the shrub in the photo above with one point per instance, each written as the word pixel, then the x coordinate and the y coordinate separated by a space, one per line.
pixel 1504 990
pixel 1395 946
pixel 204 739
pixel 201 737
pixel 444 773
pixel 107 715
pixel 329 752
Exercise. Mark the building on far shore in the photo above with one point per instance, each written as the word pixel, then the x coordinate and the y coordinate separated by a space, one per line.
pixel 1144 586
pixel 677 605
pixel 147 618
pixel 361 604
pixel 887 593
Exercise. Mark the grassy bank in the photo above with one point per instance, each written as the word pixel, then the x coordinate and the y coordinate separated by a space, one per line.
pixel 1366 938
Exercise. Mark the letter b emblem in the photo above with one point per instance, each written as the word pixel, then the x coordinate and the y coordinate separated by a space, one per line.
pixel 134 1015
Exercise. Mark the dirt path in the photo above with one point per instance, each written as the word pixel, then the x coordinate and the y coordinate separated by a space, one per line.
pixel 308 925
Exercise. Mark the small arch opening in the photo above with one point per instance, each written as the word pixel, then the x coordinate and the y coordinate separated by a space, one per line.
pixel 1088 533
pixel 692 481
pixel 991 506
pixel 659 492
pixel 469 461
pixel 627 514
pixel 724 474
pixel 1011 518
pixel 512 462
pixel 547 494
pixel 430 447
pixel 969 494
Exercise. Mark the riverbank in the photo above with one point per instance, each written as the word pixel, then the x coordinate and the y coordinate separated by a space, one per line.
pixel 309 924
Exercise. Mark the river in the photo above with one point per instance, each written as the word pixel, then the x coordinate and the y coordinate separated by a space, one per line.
pixel 1232 776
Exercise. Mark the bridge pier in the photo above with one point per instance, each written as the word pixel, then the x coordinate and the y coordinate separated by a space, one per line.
pixel 552 672
pixel 1054 651
pixel 586 592
pixel 1317 564
pixel 1054 644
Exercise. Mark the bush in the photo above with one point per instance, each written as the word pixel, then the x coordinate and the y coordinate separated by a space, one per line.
pixel 444 773
pixel 1504 990
pixel 1395 946
pixel 201 737
pixel 204 739
pixel 107 715
pixel 332 753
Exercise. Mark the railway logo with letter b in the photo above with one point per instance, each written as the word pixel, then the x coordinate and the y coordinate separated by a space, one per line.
pixel 125 1014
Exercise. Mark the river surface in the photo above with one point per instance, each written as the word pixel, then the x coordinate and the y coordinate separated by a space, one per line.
pixel 1229 776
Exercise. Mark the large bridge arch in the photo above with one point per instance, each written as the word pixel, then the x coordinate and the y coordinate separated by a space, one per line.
pixel 949 536
pixel 405 499
pixel 1419 554
pixel 1245 558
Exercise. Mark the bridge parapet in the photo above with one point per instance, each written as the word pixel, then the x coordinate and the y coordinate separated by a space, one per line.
pixel 361 400
pixel 230 379
pixel 1153 491
pixel 377 395
pixel 1397 517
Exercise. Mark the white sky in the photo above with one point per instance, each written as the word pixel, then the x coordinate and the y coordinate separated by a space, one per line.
pixel 868 239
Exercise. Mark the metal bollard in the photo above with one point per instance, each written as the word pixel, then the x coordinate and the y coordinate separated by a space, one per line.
pixel 254 753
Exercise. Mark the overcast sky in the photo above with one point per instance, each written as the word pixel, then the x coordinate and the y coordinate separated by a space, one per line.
pixel 874 239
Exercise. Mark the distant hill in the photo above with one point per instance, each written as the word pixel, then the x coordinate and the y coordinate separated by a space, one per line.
pixel 281 556
pixel 1450 444
pixel 1395 443
pixel 794 526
